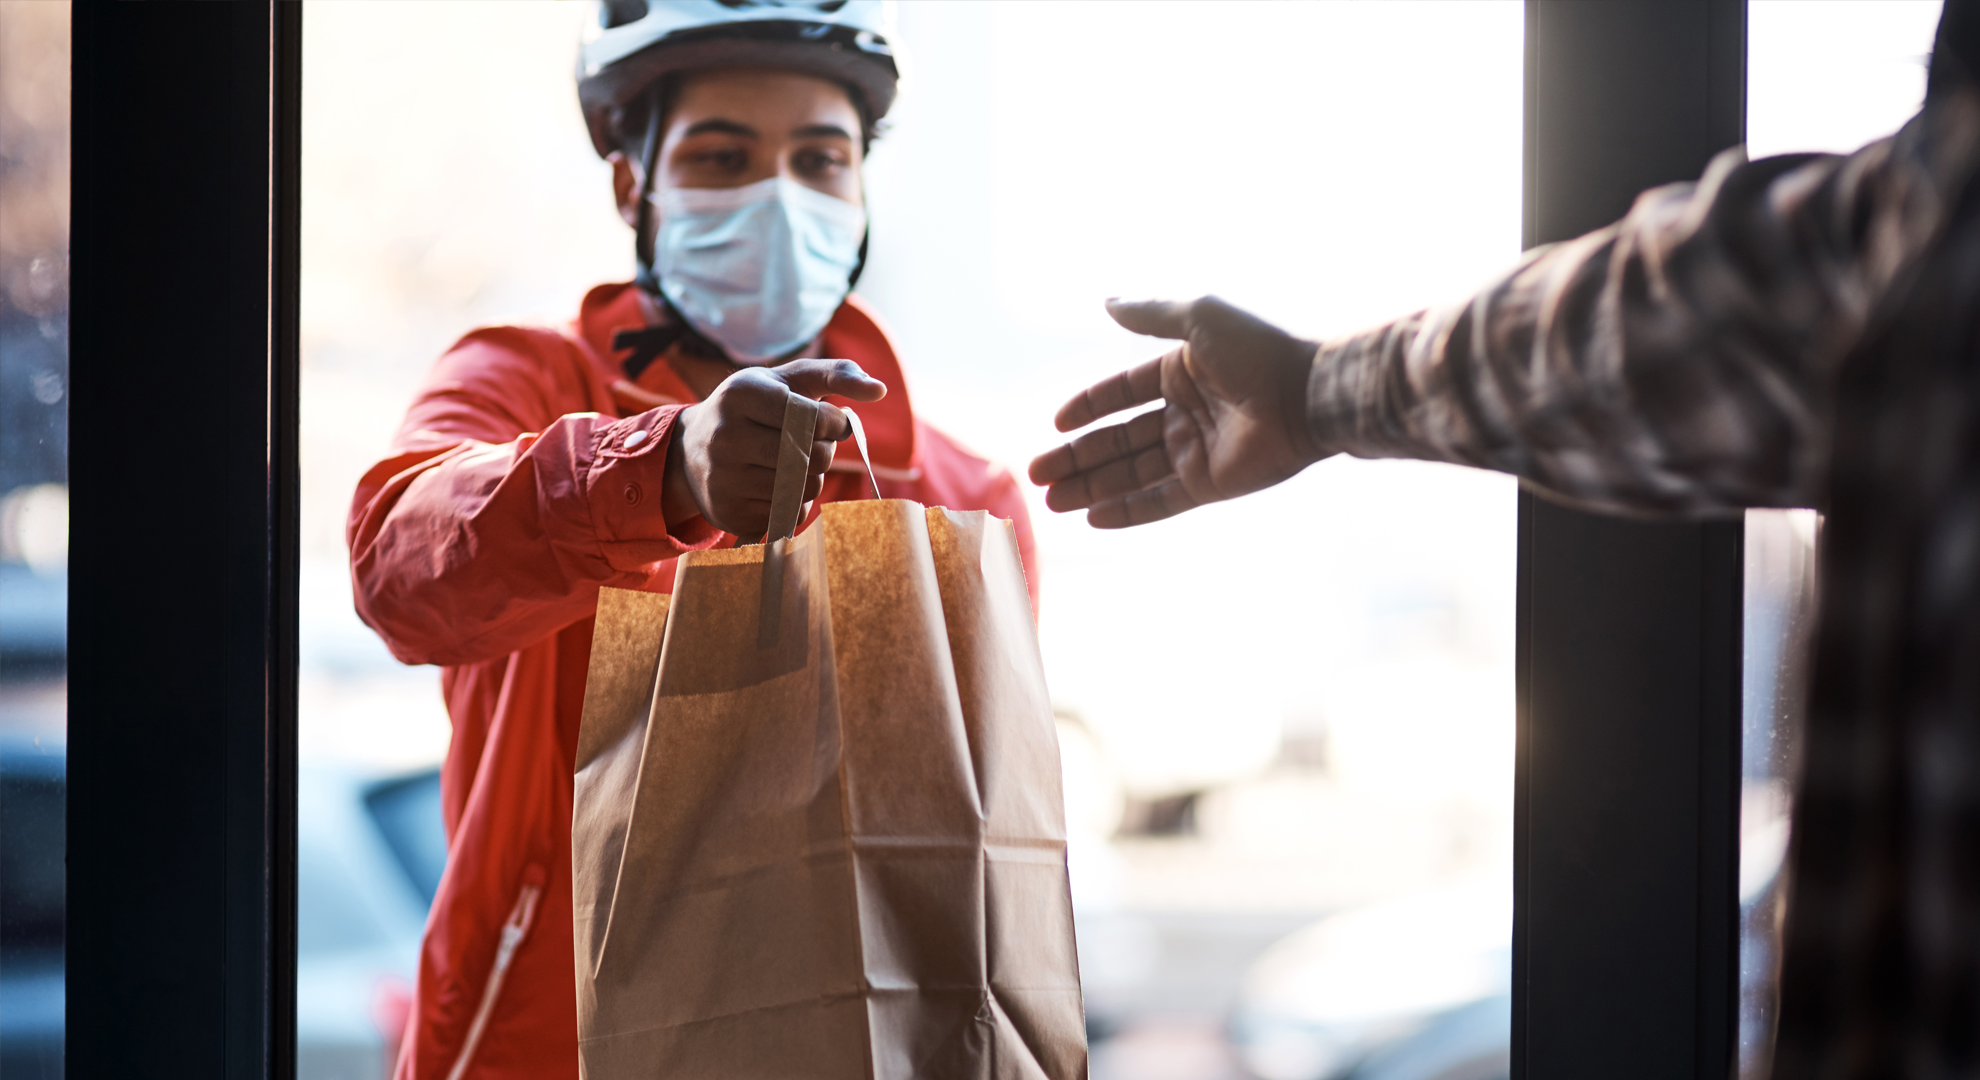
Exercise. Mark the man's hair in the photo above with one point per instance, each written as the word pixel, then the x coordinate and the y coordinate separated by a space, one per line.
pixel 629 121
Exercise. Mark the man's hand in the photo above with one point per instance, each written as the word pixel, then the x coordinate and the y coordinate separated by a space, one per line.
pixel 724 459
pixel 1234 419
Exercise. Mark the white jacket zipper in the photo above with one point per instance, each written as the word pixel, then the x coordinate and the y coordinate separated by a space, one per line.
pixel 513 932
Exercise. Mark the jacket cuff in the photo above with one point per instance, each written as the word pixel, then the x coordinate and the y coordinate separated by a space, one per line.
pixel 624 484
pixel 1349 391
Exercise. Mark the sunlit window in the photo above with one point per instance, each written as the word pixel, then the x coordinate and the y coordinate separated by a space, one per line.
pixel 1287 723
pixel 1295 706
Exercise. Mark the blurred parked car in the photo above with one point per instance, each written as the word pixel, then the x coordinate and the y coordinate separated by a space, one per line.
pixel 34 618
pixel 1414 989
pixel 1421 988
pixel 369 856
pixel 369 853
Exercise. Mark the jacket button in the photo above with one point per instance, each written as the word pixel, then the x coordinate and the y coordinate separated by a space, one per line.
pixel 635 439
pixel 632 494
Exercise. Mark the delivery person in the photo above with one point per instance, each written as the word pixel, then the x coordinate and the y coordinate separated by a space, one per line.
pixel 537 465
pixel 1796 331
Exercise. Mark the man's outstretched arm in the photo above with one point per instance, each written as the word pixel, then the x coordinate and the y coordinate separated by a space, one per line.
pixel 1678 362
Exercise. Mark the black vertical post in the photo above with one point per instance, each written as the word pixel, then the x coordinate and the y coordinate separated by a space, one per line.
pixel 183 540
pixel 1627 838
pixel 284 501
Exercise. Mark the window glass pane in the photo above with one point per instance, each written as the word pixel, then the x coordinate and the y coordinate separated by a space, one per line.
pixel 332 915
pixel 1821 76
pixel 34 529
pixel 1286 723
pixel 1300 705
pixel 407 814
pixel 1780 618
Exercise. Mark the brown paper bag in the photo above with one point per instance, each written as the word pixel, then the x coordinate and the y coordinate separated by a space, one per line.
pixel 818 828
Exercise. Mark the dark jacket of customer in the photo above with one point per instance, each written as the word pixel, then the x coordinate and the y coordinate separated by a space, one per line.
pixel 1797 331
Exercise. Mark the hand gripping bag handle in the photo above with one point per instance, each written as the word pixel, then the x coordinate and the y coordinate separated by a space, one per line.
pixel 787 502
pixel 794 463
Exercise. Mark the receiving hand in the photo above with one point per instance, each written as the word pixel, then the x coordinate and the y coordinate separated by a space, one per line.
pixel 1234 418
pixel 723 463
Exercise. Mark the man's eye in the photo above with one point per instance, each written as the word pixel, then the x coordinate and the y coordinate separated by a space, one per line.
pixel 815 162
pixel 727 160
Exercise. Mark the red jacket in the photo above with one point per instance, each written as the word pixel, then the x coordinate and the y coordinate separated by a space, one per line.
pixel 479 544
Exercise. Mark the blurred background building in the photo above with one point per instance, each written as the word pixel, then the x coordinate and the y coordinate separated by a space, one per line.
pixel 34 328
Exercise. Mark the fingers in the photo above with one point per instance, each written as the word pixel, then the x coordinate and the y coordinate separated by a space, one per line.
pixel 1155 318
pixel 749 515
pixel 814 478
pixel 754 395
pixel 832 424
pixel 741 496
pixel 1136 386
pixel 731 460
pixel 1052 466
pixel 760 397
pixel 1142 507
pixel 1110 463
pixel 817 378
pixel 743 514
pixel 1113 480
pixel 822 451
pixel 1096 448
pixel 746 443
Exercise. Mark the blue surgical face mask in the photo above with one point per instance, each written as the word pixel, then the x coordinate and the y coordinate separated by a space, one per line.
pixel 759 269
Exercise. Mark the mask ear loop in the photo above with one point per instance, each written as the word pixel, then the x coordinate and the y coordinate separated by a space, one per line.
pixel 648 343
pixel 852 281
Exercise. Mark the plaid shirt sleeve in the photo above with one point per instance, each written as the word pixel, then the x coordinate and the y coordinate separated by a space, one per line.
pixel 1678 362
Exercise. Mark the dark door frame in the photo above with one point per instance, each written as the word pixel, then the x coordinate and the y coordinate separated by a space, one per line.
pixel 1626 803
pixel 182 641
pixel 182 572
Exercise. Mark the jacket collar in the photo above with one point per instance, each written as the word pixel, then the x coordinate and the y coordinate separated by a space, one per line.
pixel 855 333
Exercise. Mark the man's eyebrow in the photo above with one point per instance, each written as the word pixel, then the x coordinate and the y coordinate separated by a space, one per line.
pixel 719 125
pixel 822 131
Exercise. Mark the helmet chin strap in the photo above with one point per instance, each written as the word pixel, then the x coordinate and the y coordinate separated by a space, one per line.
pixel 647 344
pixel 860 266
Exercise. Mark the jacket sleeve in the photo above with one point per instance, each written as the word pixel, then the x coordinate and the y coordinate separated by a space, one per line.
pixel 1679 362
pixel 496 518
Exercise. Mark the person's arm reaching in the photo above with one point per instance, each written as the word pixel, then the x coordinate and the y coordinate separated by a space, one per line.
pixel 1677 362
pixel 495 521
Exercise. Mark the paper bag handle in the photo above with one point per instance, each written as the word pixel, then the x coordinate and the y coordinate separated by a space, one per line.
pixel 859 440
pixel 794 464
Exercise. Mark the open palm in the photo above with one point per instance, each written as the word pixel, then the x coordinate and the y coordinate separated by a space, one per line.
pixel 1233 419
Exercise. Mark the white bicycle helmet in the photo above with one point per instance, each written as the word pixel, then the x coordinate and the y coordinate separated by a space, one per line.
pixel 635 42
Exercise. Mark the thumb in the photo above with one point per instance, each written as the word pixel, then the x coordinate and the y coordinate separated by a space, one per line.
pixel 1155 318
pixel 817 378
